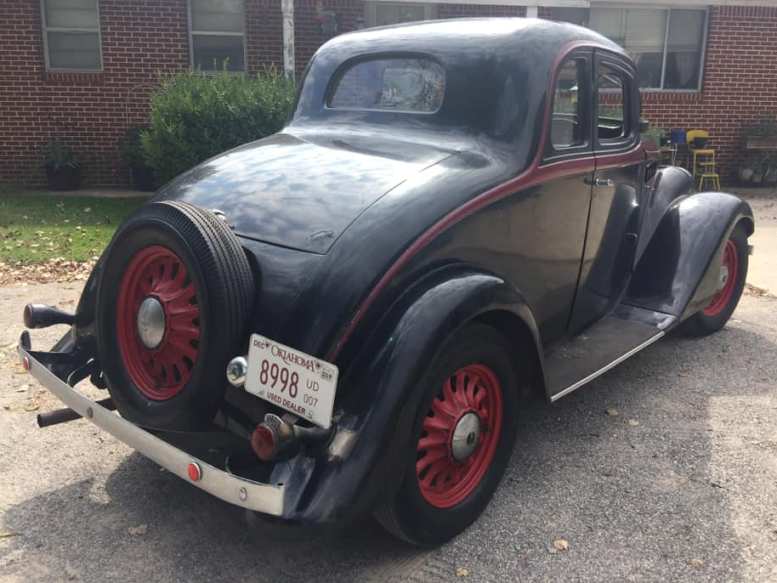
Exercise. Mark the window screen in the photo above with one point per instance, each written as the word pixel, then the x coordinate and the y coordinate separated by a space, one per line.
pixel 218 34
pixel 71 30
pixel 410 85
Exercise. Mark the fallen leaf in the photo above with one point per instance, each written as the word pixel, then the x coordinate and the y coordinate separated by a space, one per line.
pixel 633 422
pixel 139 530
pixel 696 563
pixel 561 544
pixel 8 534
pixel 612 412
pixel 462 572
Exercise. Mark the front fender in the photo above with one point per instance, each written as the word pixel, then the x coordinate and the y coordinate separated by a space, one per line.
pixel 384 391
pixel 675 274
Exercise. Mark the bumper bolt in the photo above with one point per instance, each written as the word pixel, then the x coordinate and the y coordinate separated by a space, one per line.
pixel 237 369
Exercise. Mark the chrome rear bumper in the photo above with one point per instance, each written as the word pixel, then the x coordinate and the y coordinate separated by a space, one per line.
pixel 264 498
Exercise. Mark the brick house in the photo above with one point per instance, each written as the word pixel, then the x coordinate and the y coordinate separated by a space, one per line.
pixel 82 70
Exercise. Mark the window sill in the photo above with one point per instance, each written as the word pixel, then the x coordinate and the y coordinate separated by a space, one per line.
pixel 74 77
pixel 671 95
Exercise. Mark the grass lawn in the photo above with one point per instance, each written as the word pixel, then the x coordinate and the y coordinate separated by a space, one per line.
pixel 36 228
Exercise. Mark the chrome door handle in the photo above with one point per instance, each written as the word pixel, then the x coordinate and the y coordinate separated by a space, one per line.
pixel 599 182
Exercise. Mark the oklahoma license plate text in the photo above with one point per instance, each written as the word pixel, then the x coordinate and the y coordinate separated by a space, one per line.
pixel 292 380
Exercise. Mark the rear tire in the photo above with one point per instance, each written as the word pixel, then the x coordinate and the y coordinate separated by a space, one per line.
pixel 713 317
pixel 439 499
pixel 193 269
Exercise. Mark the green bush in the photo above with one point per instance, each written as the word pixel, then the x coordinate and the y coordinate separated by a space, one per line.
pixel 195 116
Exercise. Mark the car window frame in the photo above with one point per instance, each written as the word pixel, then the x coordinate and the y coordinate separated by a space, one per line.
pixel 553 153
pixel 630 105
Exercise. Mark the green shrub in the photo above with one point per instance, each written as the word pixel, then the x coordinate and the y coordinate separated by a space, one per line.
pixel 195 116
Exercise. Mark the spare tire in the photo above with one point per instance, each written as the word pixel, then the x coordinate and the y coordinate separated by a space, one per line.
pixel 174 297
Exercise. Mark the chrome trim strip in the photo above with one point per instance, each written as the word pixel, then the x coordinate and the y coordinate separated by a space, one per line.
pixel 607 367
pixel 239 491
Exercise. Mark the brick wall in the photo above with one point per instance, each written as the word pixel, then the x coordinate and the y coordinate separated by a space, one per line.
pixel 89 111
pixel 143 39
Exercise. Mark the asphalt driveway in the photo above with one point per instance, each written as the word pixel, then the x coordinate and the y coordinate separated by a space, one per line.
pixel 664 469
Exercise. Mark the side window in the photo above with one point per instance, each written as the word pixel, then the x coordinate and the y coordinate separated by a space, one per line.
pixel 612 121
pixel 568 124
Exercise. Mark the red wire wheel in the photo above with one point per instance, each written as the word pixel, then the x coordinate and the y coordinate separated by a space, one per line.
pixel 158 277
pixel 730 264
pixel 460 436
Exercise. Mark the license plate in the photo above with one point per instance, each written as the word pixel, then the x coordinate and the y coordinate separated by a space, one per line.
pixel 292 380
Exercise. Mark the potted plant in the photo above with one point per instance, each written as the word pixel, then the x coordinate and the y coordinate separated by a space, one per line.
pixel 63 171
pixel 141 174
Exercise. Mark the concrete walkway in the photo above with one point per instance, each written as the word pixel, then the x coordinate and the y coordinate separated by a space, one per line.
pixel 762 272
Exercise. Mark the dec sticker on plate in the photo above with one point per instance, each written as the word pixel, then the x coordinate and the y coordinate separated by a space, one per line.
pixel 292 380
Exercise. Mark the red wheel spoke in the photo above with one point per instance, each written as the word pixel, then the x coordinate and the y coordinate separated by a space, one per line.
pixel 189 332
pixel 448 473
pixel 460 396
pixel 433 440
pixel 444 408
pixel 434 471
pixel 160 371
pixel 431 457
pixel 435 424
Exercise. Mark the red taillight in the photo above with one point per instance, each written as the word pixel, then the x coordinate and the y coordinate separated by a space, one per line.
pixel 194 471
pixel 26 363
pixel 263 442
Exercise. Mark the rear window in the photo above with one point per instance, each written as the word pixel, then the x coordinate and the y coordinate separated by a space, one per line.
pixel 407 85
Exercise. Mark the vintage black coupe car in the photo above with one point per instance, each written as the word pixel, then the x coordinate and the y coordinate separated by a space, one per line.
pixel 344 318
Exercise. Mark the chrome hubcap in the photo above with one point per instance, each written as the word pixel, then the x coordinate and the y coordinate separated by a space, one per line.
pixel 466 436
pixel 723 278
pixel 151 323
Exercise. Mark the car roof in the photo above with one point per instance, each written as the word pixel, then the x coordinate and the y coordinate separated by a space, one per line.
pixel 469 37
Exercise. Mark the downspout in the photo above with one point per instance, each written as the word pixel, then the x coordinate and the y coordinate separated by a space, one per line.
pixel 287 9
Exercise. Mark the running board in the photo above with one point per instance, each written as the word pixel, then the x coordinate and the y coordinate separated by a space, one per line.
pixel 601 347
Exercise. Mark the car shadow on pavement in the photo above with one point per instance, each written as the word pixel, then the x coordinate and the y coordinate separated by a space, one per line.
pixel 631 471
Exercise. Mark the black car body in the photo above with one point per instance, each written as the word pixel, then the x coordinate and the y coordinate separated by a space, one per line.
pixel 375 232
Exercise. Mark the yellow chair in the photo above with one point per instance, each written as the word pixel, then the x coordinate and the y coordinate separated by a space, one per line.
pixel 702 161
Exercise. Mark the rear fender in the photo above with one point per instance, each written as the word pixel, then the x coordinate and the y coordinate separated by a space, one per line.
pixel 663 189
pixel 383 385
pixel 677 273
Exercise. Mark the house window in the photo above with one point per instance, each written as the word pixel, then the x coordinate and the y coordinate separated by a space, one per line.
pixel 71 35
pixel 667 45
pixel 384 13
pixel 217 34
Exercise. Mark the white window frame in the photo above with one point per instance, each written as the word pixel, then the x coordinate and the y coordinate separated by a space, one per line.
pixel 45 30
pixel 370 7
pixel 702 58
pixel 192 33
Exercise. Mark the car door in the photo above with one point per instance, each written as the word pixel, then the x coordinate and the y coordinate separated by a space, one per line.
pixel 557 216
pixel 615 197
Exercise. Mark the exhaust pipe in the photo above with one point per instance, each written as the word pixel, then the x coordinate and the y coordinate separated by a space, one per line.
pixel 43 316
pixel 67 414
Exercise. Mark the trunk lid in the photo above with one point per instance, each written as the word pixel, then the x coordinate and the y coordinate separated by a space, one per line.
pixel 301 193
